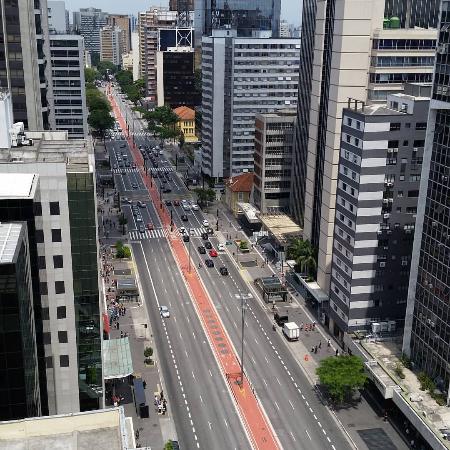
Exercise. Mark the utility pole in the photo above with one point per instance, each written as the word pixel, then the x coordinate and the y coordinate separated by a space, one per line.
pixel 189 251
pixel 244 305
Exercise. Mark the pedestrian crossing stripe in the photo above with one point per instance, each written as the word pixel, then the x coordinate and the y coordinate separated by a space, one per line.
pixel 126 169
pixel 159 233
pixel 161 169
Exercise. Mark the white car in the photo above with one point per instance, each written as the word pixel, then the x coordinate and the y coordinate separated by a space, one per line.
pixel 186 206
pixel 205 223
pixel 164 311
pixel 195 207
pixel 221 248
pixel 161 152
pixel 182 230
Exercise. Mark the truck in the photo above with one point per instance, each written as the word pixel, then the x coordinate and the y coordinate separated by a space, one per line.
pixel 291 331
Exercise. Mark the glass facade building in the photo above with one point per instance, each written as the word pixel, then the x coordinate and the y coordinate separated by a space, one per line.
pixel 427 331
pixel 83 232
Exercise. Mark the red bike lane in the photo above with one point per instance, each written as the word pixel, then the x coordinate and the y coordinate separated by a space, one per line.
pixel 255 421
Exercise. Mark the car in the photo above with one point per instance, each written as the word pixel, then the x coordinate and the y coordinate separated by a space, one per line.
pixel 149 226
pixel 123 172
pixel 176 203
pixel 167 190
pixel 133 165
pixel 119 159
pixel 161 152
pixel 213 253
pixel 210 231
pixel 115 166
pixel 223 271
pixel 184 218
pixel 122 145
pixel 182 230
pixel 134 185
pixel 168 203
pixel 164 311
pixel 186 238
pixel 186 206
pixel 221 248
pixel 195 207
pixel 127 164
pixel 126 200
pixel 205 223
pixel 139 218
pixel 209 263
pixel 164 181
pixel 201 250
pixel 140 204
pixel 205 236
pixel 208 245
pixel 175 445
pixel 141 228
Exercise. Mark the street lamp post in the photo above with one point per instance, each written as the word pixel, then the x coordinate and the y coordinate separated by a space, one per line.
pixel 189 249
pixel 244 305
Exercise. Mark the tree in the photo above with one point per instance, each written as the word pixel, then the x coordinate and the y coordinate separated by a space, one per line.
pixel 124 78
pixel 96 100
pixel 148 352
pixel 122 251
pixel 106 67
pixel 181 139
pixel 90 74
pixel 341 376
pixel 122 222
pixel 305 256
pixel 168 446
pixel 205 195
pixel 162 123
pixel 100 120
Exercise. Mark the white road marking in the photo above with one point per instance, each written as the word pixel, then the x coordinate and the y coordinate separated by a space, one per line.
pixel 292 406
pixel 310 436
pixel 276 404
pixel 292 436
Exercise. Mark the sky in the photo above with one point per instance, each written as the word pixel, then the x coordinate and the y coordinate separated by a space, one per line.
pixel 290 9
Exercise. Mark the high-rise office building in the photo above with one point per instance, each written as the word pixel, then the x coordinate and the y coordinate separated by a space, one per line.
pixel 240 78
pixel 19 390
pixel 58 17
pixel 124 23
pixel 111 44
pixel 337 38
pixel 380 163
pixel 69 93
pixel 24 60
pixel 427 325
pixel 50 186
pixel 88 22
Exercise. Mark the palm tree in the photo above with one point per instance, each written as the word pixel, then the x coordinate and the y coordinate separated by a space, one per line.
pixel 296 248
pixel 122 222
pixel 307 260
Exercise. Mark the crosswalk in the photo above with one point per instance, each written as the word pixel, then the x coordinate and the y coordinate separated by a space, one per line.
pixel 126 170
pixel 161 169
pixel 159 233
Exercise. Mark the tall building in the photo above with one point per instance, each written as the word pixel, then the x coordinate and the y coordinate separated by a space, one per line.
pixel 380 164
pixel 240 78
pixel 111 44
pixel 337 37
pixel 136 55
pixel 24 60
pixel 123 22
pixel 245 17
pixel 285 31
pixel 19 390
pixel 50 186
pixel 426 335
pixel 88 22
pixel 149 22
pixel 274 136
pixel 176 5
pixel 69 93
pixel 58 17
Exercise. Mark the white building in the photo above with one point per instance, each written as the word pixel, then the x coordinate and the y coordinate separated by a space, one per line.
pixel 135 53
pixel 242 77
pixel 58 16
pixel 69 93
pixel 285 29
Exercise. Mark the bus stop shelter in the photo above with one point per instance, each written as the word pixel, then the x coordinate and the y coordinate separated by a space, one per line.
pixel 272 289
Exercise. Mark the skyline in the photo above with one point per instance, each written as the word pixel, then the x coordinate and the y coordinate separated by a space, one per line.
pixel 290 9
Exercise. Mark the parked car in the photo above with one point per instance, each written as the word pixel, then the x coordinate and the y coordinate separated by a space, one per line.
pixel 223 271
pixel 209 263
pixel 164 311
pixel 221 248
pixel 201 250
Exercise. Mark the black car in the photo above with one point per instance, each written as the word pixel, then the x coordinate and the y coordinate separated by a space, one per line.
pixel 166 190
pixel 175 445
pixel 223 271
pixel 201 250
pixel 168 203
pixel 209 263
pixel 122 145
pixel 134 186
pixel 184 218
pixel 186 238
pixel 210 231
pixel 205 236
pixel 208 245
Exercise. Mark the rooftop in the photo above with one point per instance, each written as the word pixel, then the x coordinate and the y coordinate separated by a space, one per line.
pixel 241 183
pixel 281 226
pixel 103 429
pixel 18 185
pixel 54 148
pixel 184 113
pixel 9 239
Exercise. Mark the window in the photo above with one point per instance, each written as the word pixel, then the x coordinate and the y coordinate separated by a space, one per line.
pixel 419 143
pixel 411 210
pixel 46 338
pixel 414 177
pixel 37 206
pixel 54 208
pixel 358 125
pixel 407 125
pixel 41 262
pixel 49 362
pixel 58 261
pixel 400 194
pixel 349 122
pixel 61 312
pixel 399 209
pixel 421 126
pixel 413 194
pixel 43 289
pixel 64 360
pixel 405 143
pixel 39 236
pixel 56 235
pixel 62 337
pixel 59 287
pixel 395 126
pixel 45 314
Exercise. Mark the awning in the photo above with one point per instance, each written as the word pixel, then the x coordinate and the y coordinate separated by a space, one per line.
pixel 117 361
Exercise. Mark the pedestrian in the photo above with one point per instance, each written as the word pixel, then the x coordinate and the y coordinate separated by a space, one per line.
pixel 117 325
pixel 301 326
pixel 320 345
pixel 328 343
pixel 315 349
pixel 337 352
pixel 121 333
pixel 144 383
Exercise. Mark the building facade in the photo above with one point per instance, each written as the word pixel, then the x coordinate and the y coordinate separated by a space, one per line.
pixel 58 17
pixel 337 37
pixel 123 22
pixel 274 134
pixel 20 392
pixel 427 325
pixel 240 78
pixel 378 182
pixel 88 22
pixel 186 123
pixel 69 92
pixel 111 44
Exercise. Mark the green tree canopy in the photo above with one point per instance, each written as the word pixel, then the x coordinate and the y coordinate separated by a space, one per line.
pixel 205 195
pixel 90 74
pixel 341 376
pixel 305 256
pixel 162 122
pixel 96 100
pixel 105 67
pixel 100 120
pixel 124 78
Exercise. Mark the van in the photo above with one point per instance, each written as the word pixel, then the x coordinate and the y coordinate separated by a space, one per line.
pixel 280 319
